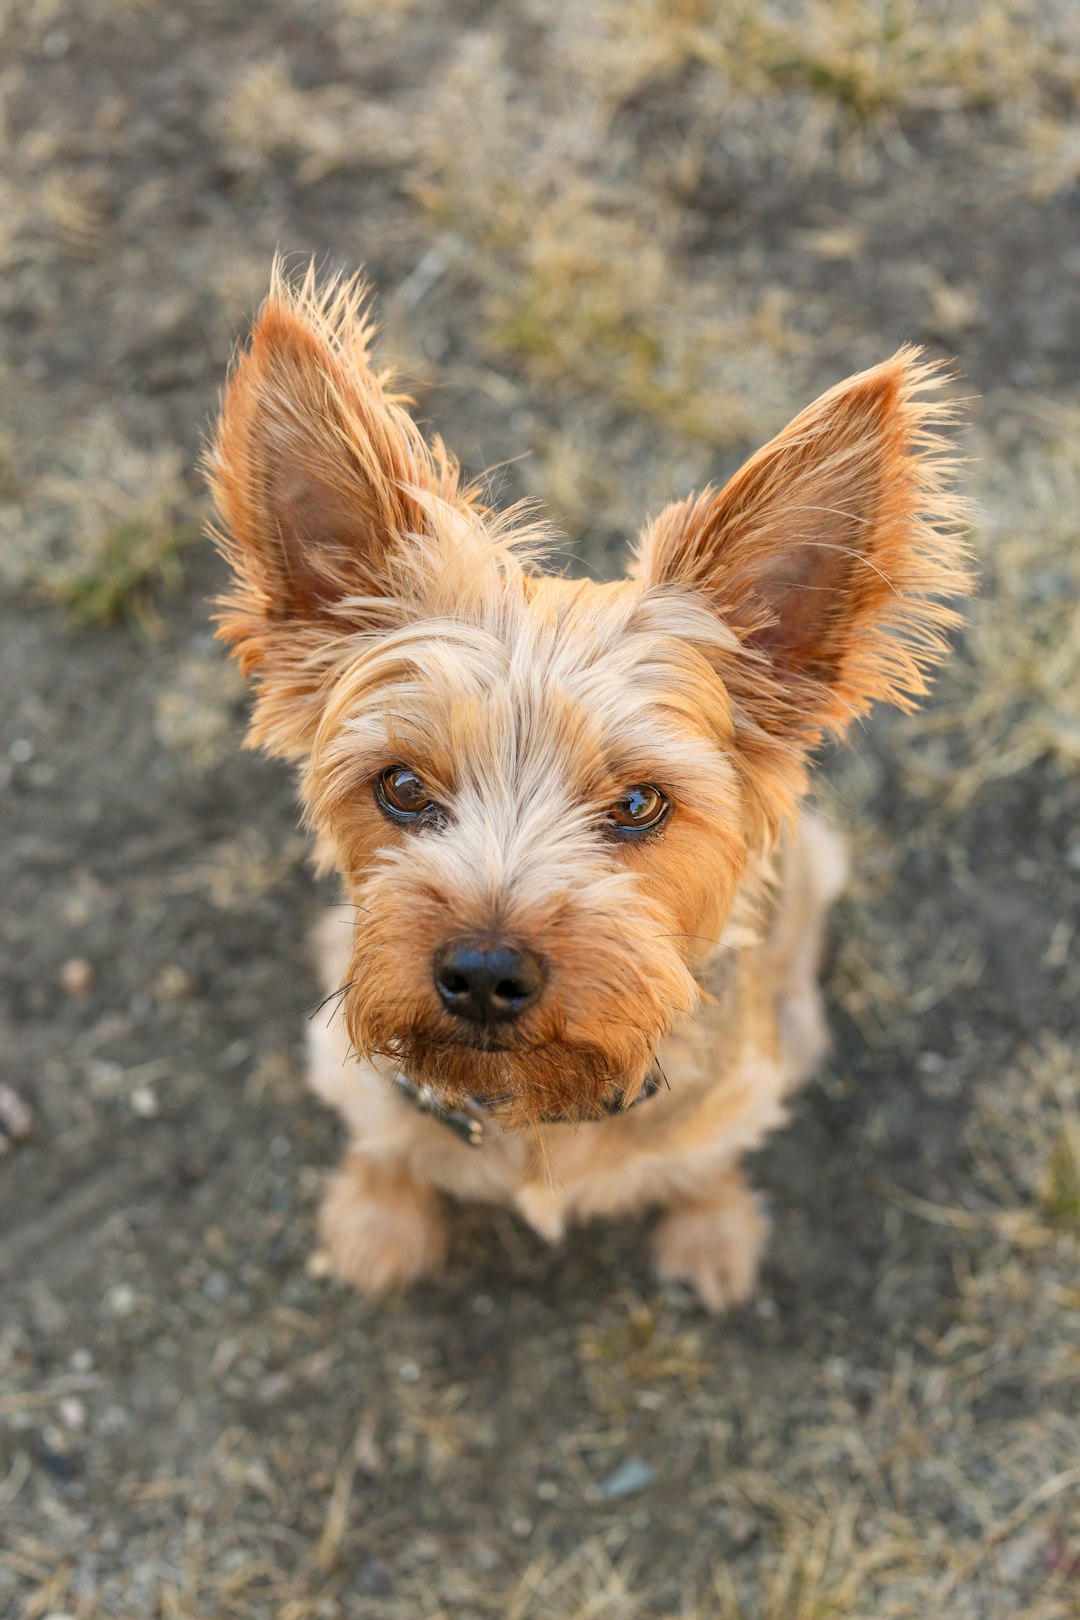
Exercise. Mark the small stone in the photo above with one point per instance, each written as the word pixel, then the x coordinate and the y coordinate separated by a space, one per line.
pixel 547 1490
pixel 319 1264
pixel 216 1285
pixel 21 751
pixel 173 983
pixel 56 44
pixel 521 1527
pixel 235 1053
pixel 409 1372
pixel 144 1103
pixel 77 976
pixel 631 1476
pixel 48 1313
pixel 483 1304
pixel 16 1120
pixel 373 1579
pixel 224 1355
pixel 274 1387
pixel 121 1299
pixel 72 1413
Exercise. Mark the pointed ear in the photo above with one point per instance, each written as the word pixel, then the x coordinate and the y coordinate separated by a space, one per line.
pixel 832 553
pixel 318 474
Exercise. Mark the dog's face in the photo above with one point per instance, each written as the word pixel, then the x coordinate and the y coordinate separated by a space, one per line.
pixel 543 794
pixel 538 814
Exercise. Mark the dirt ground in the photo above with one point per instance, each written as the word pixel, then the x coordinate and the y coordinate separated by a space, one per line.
pixel 616 245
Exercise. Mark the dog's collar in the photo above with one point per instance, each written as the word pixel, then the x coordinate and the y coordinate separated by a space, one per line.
pixel 470 1124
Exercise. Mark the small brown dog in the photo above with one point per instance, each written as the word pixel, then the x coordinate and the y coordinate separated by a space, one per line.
pixel 588 913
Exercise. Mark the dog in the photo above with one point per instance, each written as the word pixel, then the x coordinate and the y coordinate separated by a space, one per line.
pixel 581 978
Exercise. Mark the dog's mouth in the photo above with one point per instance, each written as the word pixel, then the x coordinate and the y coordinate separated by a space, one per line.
pixel 471 1116
pixel 425 1049
pixel 489 1043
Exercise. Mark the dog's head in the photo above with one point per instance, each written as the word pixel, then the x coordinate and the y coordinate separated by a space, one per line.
pixel 542 794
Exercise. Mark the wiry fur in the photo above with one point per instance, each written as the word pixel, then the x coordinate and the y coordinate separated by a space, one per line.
pixel 387 616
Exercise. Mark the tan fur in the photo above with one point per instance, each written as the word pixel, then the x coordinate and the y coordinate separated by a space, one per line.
pixel 387 617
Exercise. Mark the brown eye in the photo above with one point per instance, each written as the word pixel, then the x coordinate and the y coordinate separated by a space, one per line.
pixel 402 792
pixel 640 809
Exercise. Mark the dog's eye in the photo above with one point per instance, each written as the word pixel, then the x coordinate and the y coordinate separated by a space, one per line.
pixel 640 809
pixel 402 793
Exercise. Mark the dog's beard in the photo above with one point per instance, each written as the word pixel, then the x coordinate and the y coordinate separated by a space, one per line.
pixel 587 1045
pixel 519 1082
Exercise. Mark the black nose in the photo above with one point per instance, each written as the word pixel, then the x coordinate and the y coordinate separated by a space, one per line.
pixel 487 984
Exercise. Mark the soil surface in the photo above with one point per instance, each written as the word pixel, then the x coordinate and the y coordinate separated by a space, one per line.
pixel 193 1420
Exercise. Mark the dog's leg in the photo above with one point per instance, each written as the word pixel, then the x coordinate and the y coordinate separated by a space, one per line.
pixel 813 874
pixel 714 1242
pixel 381 1227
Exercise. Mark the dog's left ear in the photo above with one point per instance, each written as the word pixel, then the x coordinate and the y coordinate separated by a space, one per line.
pixel 831 554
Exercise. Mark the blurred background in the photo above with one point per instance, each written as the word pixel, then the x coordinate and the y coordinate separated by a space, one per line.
pixel 616 245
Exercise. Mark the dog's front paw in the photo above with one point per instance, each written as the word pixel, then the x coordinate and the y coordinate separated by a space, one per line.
pixel 714 1244
pixel 381 1228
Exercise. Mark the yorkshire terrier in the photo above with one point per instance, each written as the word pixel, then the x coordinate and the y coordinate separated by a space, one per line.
pixel 581 978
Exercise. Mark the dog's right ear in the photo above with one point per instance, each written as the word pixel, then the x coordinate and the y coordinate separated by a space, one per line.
pixel 319 475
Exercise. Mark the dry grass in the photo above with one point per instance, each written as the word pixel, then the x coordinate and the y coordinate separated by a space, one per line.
pixel 576 258
pixel 195 713
pixel 1016 696
pixel 118 518
pixel 873 60
pixel 265 118
pixel 569 247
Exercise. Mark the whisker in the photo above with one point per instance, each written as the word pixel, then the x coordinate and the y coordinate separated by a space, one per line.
pixel 318 1007
pixel 338 1012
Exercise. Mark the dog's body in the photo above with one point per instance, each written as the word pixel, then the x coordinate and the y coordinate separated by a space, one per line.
pixel 582 933
pixel 728 1069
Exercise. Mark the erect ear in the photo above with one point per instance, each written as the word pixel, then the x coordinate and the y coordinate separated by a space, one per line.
pixel 832 554
pixel 319 475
